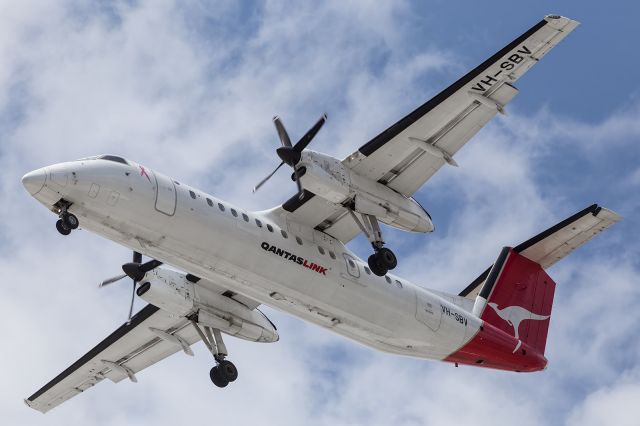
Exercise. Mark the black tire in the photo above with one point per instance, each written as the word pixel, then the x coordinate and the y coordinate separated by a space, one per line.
pixel 387 258
pixel 216 378
pixel 70 221
pixel 375 266
pixel 228 371
pixel 61 228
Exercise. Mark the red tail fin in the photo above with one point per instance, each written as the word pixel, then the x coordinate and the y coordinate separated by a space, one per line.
pixel 517 298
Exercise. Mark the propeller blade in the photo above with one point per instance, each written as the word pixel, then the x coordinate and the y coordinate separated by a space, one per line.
pixel 300 189
pixel 263 181
pixel 133 296
pixel 282 132
pixel 135 270
pixel 306 139
pixel 111 280
pixel 152 264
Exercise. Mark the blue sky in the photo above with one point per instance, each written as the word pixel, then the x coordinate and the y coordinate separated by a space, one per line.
pixel 189 88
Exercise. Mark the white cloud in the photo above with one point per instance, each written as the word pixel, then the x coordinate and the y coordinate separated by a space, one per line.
pixel 611 405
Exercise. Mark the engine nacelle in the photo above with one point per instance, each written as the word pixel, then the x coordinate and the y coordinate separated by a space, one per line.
pixel 169 291
pixel 172 292
pixel 328 178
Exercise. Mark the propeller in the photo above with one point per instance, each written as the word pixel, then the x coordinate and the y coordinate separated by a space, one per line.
pixel 291 154
pixel 135 270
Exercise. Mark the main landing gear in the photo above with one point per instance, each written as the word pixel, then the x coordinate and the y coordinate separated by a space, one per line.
pixel 67 221
pixel 382 260
pixel 224 371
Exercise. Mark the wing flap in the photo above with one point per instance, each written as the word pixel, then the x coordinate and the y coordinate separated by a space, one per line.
pixel 131 347
pixel 423 165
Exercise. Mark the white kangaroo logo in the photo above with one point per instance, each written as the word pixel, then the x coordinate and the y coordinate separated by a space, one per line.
pixel 514 315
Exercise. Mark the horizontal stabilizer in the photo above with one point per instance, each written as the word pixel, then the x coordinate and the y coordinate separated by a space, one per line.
pixel 556 242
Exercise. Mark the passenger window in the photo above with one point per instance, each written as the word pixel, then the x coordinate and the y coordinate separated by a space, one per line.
pixel 245 217
pixel 299 240
pixel 367 270
pixel 284 234
pixel 209 202
pixel 321 250
pixel 258 223
pixel 398 284
pixel 332 254
pixel 270 228
pixel 234 212
pixel 386 277
pixel 351 263
pixel 221 207
pixel 176 182
pixel 193 194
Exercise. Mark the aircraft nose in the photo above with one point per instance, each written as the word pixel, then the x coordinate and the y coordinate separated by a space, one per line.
pixel 34 181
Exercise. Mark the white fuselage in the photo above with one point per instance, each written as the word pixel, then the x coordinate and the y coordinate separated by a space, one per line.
pixel 281 264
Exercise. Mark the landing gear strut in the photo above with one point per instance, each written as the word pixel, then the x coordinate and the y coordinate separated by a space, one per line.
pixel 67 221
pixel 224 371
pixel 382 260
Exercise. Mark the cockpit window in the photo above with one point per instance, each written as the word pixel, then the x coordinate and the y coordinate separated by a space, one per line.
pixel 106 157
pixel 113 158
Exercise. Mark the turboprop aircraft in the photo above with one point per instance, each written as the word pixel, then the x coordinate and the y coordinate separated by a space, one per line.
pixel 293 257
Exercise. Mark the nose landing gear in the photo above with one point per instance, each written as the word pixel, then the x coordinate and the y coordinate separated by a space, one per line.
pixel 67 221
pixel 62 228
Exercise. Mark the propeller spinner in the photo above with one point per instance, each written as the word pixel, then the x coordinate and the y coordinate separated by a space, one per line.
pixel 291 154
pixel 135 270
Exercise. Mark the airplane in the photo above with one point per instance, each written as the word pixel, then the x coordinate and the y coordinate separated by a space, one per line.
pixel 293 257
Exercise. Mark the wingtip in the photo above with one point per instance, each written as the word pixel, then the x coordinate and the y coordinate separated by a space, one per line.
pixel 554 18
pixel 35 406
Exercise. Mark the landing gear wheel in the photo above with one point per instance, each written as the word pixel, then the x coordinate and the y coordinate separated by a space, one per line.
pixel 62 228
pixel 375 266
pixel 70 221
pixel 228 371
pixel 216 377
pixel 387 258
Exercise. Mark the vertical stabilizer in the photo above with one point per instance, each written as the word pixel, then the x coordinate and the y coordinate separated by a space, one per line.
pixel 517 298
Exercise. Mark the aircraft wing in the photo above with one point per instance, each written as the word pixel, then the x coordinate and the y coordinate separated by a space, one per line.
pixel 128 350
pixel 556 242
pixel 408 153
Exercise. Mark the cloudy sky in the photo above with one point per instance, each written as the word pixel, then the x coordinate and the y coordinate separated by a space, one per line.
pixel 189 88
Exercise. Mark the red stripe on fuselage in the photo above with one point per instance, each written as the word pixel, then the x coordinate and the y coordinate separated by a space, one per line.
pixel 493 348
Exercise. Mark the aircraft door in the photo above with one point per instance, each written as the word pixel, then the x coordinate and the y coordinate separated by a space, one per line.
pixel 165 195
pixel 428 311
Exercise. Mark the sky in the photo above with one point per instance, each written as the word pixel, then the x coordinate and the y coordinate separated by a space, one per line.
pixel 188 88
